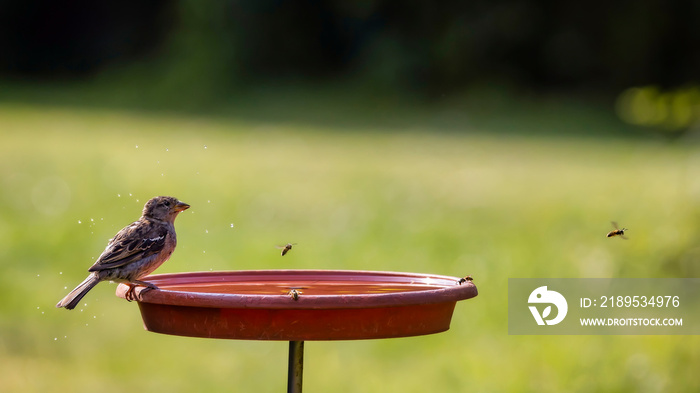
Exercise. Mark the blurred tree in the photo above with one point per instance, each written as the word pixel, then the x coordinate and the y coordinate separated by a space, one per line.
pixel 419 46
pixel 77 38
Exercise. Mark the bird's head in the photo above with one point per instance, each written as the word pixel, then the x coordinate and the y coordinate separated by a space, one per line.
pixel 164 208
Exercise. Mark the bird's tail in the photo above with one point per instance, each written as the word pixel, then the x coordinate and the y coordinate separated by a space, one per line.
pixel 73 298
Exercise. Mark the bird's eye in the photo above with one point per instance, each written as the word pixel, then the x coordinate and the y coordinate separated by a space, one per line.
pixel 167 203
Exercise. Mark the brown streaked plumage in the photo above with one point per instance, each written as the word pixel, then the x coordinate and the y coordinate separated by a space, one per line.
pixel 135 251
pixel 617 231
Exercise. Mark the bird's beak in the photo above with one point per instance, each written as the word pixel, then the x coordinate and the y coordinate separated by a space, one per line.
pixel 181 206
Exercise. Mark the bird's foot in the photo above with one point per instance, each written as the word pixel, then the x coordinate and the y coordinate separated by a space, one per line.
pixel 130 295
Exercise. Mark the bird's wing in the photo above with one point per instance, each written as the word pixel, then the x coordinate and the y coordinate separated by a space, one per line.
pixel 139 240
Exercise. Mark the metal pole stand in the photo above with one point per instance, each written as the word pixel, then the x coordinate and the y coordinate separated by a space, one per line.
pixel 296 366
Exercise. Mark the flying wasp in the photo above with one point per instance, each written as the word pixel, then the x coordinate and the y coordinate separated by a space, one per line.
pixel 285 249
pixel 617 231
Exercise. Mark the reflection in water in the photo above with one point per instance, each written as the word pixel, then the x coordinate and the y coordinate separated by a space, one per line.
pixel 310 287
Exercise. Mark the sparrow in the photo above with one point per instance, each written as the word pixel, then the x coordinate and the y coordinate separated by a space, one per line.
pixel 136 251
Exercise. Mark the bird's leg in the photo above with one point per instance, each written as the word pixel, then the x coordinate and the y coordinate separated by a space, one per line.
pixel 131 295
pixel 145 284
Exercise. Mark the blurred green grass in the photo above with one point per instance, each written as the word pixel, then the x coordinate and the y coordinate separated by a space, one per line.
pixel 491 205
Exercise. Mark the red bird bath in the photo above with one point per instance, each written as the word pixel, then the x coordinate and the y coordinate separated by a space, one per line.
pixel 299 305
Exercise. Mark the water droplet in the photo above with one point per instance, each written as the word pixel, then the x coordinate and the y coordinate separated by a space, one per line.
pixel 55 338
pixel 206 231
pixel 166 149
pixel 162 174
pixel 137 146
pixel 42 313
pixel 204 252
pixel 208 201
pixel 129 194
pixel 37 307
pixel 119 195
pixel 60 272
pixel 37 275
pixel 80 222
pixel 205 146
pixel 231 225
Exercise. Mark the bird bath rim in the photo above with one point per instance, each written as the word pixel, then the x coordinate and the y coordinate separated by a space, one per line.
pixel 417 288
pixel 414 304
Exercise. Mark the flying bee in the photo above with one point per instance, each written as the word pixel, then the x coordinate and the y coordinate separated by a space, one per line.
pixel 294 294
pixel 617 231
pixel 465 279
pixel 285 249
